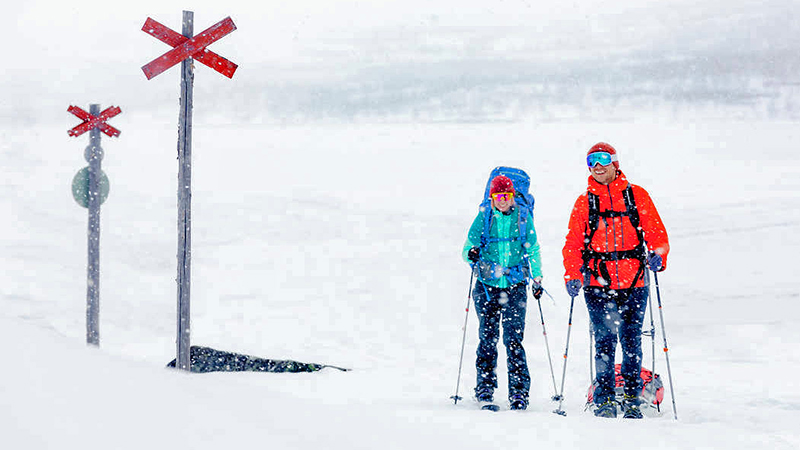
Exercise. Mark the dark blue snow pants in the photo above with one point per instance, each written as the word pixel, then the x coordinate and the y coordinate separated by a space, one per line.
pixel 617 313
pixel 493 306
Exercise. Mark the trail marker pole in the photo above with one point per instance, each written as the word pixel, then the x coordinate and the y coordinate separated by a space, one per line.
pixel 90 189
pixel 94 156
pixel 185 202
pixel 186 49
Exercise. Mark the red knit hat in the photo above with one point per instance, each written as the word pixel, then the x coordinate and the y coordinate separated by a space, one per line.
pixel 603 147
pixel 501 183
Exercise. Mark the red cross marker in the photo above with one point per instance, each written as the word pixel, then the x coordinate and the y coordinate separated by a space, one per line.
pixel 98 121
pixel 189 47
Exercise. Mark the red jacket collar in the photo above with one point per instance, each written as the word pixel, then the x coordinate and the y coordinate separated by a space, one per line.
pixel 618 185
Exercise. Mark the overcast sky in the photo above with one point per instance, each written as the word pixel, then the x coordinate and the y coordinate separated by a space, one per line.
pixel 385 57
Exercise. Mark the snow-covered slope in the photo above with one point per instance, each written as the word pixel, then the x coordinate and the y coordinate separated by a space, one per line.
pixel 340 244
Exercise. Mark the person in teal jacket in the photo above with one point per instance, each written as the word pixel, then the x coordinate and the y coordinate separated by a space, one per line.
pixel 504 261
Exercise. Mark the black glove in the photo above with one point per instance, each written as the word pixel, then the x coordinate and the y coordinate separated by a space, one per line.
pixel 538 290
pixel 474 254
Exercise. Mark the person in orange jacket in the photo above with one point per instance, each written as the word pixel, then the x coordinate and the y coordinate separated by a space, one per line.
pixel 615 233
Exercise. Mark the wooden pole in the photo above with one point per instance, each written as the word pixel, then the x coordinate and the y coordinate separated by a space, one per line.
pixel 185 202
pixel 94 155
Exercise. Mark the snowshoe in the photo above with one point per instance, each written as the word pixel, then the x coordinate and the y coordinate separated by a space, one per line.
pixel 630 407
pixel 607 410
pixel 490 407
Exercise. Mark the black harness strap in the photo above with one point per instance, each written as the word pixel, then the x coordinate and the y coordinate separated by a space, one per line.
pixel 595 262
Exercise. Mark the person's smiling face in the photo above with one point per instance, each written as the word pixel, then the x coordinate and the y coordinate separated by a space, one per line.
pixel 503 201
pixel 604 174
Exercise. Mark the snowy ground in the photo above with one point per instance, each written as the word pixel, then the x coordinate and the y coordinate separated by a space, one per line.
pixel 354 260
pixel 337 240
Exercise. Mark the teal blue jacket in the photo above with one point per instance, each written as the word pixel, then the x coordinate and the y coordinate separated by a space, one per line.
pixel 504 253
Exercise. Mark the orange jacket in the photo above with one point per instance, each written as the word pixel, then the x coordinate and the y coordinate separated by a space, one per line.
pixel 613 234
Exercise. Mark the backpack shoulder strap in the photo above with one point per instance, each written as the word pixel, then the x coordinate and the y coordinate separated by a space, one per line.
pixel 594 215
pixel 487 224
pixel 633 212
pixel 522 224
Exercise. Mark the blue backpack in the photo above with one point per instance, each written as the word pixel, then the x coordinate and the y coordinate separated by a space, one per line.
pixel 524 203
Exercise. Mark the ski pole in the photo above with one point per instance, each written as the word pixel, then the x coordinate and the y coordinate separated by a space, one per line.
pixel 455 397
pixel 547 346
pixel 652 331
pixel 544 329
pixel 591 351
pixel 666 348
pixel 530 277
pixel 548 294
pixel 560 411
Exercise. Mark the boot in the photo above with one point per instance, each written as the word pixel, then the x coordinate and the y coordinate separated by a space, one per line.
pixel 518 403
pixel 484 396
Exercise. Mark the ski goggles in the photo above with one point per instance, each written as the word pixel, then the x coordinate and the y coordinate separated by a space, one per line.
pixel 503 196
pixel 602 158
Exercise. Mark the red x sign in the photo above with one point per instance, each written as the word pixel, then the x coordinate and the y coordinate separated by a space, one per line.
pixel 98 121
pixel 189 47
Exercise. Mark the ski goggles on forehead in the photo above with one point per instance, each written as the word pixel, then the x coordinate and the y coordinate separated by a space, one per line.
pixel 503 196
pixel 602 158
